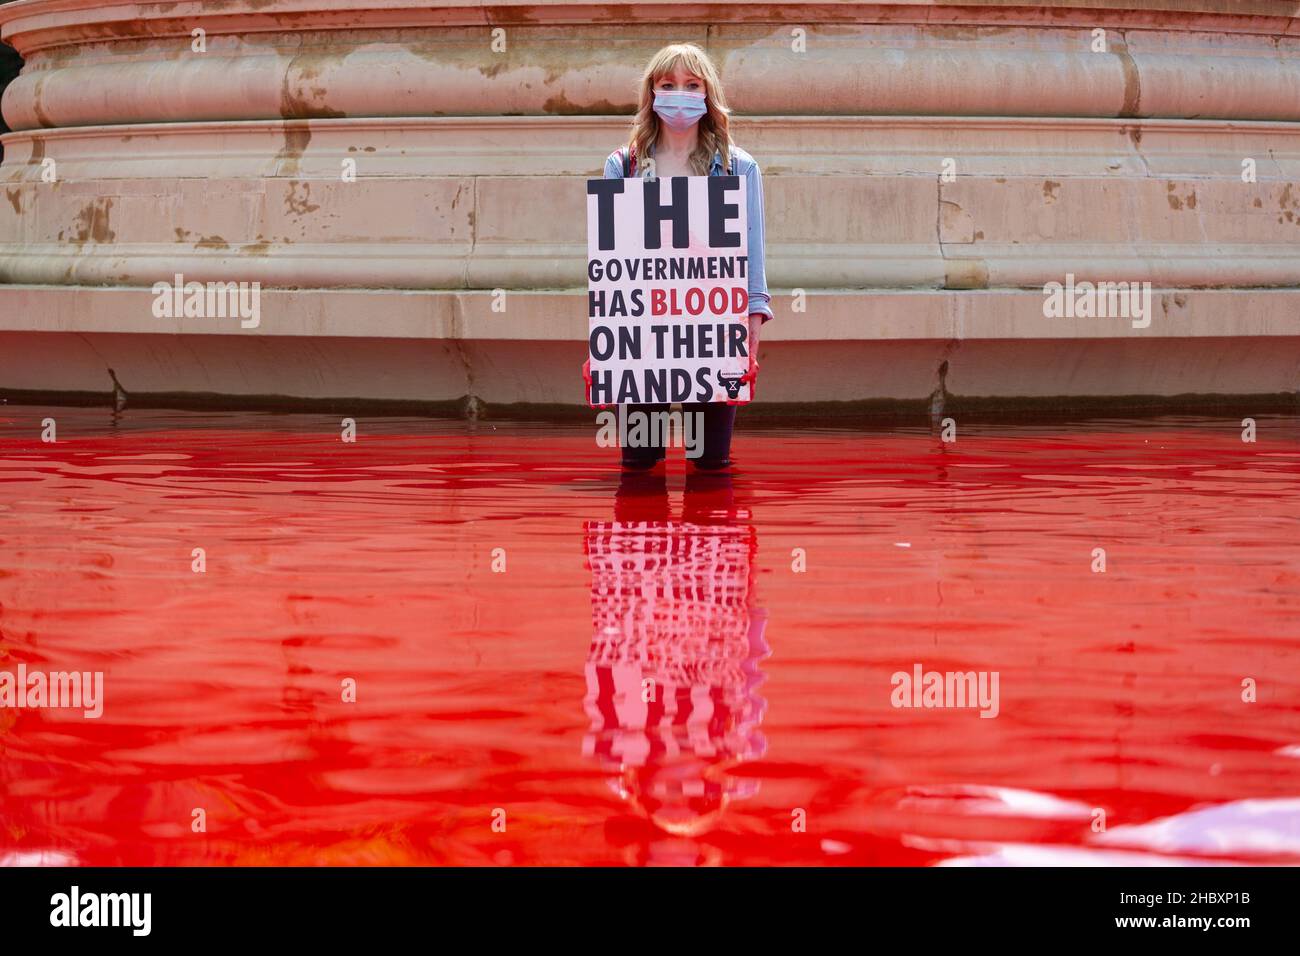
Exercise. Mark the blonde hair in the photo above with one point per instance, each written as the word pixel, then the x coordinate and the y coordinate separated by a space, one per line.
pixel 714 134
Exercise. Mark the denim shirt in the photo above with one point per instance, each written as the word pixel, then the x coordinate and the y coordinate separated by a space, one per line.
pixel 759 300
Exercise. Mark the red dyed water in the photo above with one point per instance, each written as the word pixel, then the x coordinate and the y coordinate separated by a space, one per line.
pixel 640 672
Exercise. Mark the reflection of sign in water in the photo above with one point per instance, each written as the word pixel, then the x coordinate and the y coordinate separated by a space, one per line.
pixel 672 674
pixel 667 281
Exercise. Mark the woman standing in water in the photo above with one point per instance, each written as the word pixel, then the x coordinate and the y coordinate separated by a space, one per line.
pixel 681 129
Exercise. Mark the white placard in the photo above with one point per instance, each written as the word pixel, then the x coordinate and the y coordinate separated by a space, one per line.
pixel 669 304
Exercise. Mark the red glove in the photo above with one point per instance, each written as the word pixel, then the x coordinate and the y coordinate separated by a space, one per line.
pixel 586 377
pixel 752 375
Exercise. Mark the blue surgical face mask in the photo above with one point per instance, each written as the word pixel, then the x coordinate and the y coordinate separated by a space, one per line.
pixel 679 109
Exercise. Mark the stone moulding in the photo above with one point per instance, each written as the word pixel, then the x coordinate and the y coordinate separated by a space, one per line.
pixel 95 64
pixel 443 204
pixel 442 347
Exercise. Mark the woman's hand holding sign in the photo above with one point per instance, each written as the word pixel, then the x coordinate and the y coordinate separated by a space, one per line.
pixel 755 333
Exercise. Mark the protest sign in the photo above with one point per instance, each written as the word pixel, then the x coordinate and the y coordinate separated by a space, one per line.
pixel 667 290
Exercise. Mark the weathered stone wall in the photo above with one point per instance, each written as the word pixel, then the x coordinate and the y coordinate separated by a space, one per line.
pixel 1116 164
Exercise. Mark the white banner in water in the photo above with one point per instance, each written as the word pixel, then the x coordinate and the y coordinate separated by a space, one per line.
pixel 667 281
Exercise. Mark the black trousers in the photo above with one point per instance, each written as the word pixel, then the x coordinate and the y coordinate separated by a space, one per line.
pixel 719 420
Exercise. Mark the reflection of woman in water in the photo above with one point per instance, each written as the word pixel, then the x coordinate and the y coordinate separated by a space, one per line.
pixel 681 129
pixel 672 674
